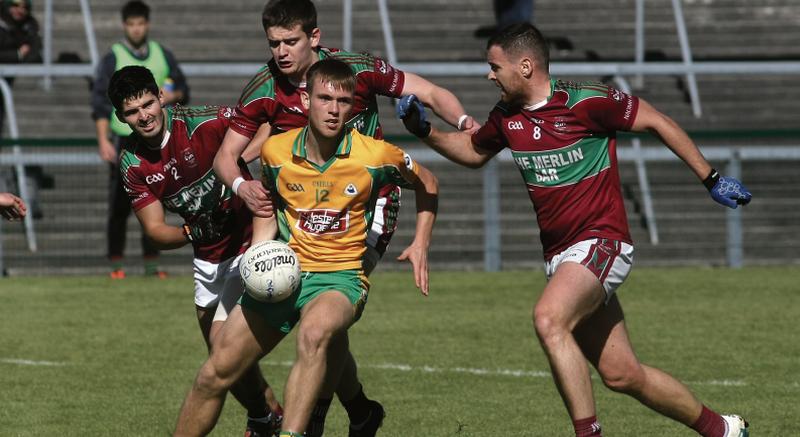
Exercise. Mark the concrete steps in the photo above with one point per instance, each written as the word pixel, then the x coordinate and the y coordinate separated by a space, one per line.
pixel 691 227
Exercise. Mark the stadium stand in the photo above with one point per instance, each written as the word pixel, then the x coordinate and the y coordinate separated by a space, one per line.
pixel 692 227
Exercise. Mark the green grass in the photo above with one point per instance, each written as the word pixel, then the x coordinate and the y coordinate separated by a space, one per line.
pixel 123 354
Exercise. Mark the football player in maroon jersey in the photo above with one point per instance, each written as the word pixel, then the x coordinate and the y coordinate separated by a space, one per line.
pixel 562 136
pixel 166 165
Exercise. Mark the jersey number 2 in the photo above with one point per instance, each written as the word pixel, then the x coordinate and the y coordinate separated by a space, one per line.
pixel 322 195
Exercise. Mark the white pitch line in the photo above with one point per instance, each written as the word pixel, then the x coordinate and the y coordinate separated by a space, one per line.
pixel 30 362
pixel 723 382
pixel 431 369
pixel 468 370
pixel 490 372
pixel 424 369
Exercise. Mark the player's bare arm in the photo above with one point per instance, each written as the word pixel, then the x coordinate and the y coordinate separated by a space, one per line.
pixel 649 119
pixel 458 147
pixel 264 228
pixel 427 201
pixel 225 162
pixel 155 226
pixel 443 102
pixel 226 167
pixel 455 146
pixel 253 149
pixel 725 190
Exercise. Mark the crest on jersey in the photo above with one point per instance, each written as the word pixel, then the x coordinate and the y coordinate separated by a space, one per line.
pixel 382 66
pixel 560 124
pixel 188 157
pixel 350 190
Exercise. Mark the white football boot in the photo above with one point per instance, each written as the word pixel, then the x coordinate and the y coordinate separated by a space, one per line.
pixel 735 426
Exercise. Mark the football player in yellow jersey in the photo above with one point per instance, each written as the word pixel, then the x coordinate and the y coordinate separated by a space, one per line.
pixel 324 179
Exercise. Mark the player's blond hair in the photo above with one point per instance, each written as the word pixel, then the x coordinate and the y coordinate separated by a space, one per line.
pixel 332 71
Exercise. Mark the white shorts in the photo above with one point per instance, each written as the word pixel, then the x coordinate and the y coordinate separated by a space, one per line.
pixel 609 260
pixel 217 285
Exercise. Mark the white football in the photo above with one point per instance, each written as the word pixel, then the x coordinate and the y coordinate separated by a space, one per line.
pixel 270 271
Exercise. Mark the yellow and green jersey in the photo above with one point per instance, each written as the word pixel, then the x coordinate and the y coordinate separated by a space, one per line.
pixel 324 211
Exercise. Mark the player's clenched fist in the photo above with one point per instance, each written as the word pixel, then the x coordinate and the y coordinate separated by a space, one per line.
pixel 256 197
pixel 726 190
pixel 411 111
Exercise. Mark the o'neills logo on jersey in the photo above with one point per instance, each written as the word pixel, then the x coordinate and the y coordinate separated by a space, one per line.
pixel 323 221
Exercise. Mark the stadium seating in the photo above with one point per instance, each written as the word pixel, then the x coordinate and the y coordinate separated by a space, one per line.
pixel 692 227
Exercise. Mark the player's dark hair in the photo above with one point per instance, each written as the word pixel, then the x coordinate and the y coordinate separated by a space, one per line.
pixel 289 13
pixel 130 82
pixel 517 39
pixel 339 74
pixel 135 9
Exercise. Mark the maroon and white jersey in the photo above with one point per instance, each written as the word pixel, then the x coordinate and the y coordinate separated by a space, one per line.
pixel 565 150
pixel 179 174
pixel 270 97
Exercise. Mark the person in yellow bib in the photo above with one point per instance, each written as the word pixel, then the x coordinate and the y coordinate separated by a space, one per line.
pixel 324 179
pixel 135 49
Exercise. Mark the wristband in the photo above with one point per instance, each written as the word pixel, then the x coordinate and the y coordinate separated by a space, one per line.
pixel 235 186
pixel 711 180
pixel 461 121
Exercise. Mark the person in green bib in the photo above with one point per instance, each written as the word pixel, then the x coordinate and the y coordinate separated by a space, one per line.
pixel 135 49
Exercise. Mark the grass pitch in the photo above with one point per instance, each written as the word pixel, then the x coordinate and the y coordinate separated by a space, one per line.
pixel 91 356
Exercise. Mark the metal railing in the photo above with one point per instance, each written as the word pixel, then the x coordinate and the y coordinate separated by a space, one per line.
pixel 492 194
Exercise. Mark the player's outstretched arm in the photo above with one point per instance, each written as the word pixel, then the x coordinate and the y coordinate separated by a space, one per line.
pixel 155 226
pixel 725 190
pixel 12 207
pixel 455 146
pixel 427 199
pixel 443 102
pixel 226 167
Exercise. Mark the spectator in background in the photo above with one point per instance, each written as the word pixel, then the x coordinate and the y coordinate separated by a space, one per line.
pixel 134 49
pixel 19 38
pixel 20 42
pixel 12 207
pixel 506 13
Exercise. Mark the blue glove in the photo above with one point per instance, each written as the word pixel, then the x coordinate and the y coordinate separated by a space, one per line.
pixel 411 111
pixel 727 191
